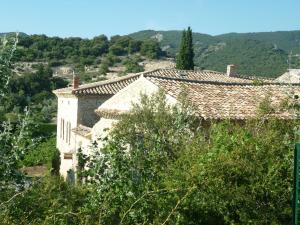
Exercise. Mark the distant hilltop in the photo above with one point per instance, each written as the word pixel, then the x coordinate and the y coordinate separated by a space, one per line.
pixel 12 34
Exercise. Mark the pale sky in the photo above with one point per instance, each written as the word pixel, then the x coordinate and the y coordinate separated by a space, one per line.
pixel 89 18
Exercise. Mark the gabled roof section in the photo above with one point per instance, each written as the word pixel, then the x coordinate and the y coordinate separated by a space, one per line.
pixel 232 100
pixel 112 86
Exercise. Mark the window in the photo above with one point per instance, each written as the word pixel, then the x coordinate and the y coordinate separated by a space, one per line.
pixel 67 131
pixel 68 156
pixel 69 140
pixel 63 129
pixel 60 132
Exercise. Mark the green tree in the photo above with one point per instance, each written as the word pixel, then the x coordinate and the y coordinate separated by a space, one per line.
pixel 185 57
pixel 142 145
pixel 151 49
pixel 132 65
pixel 14 138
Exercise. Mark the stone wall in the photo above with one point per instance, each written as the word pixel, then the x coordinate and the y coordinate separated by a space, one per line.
pixel 86 109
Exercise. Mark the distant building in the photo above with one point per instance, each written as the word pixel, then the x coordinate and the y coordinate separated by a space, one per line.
pixel 291 76
pixel 86 111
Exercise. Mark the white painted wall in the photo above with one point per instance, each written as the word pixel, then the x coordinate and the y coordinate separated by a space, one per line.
pixel 66 114
pixel 71 112
pixel 101 129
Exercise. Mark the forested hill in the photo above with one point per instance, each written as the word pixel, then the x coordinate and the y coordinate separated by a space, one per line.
pixel 286 40
pixel 262 54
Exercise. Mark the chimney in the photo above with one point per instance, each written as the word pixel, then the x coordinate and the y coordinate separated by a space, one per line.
pixel 231 70
pixel 76 81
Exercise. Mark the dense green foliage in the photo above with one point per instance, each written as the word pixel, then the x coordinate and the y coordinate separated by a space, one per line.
pixel 185 56
pixel 151 49
pixel 162 165
pixel 14 139
pixel 41 154
pixel 19 129
pixel 171 39
pixel 266 60
pixel 286 40
pixel 33 90
pixel 49 200
pixel 132 65
pixel 80 52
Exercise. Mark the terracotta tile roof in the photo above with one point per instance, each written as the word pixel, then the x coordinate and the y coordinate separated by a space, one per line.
pixel 112 86
pixel 232 101
pixel 213 94
pixel 107 87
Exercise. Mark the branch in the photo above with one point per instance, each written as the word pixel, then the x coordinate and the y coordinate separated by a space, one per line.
pixel 19 193
pixel 177 204
pixel 145 194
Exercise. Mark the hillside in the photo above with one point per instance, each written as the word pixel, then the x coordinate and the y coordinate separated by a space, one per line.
pixel 252 57
pixel 286 40
pixel 170 40
pixel 262 54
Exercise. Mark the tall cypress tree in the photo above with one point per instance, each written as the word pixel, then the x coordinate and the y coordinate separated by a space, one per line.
pixel 185 58
pixel 190 49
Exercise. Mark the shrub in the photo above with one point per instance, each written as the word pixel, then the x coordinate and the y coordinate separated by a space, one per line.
pixel 161 166
pixel 41 154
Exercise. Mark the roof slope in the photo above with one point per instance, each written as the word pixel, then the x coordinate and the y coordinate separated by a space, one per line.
pixel 112 86
pixel 107 87
pixel 231 101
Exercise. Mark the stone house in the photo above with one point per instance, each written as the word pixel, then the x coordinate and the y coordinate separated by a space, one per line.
pixel 86 111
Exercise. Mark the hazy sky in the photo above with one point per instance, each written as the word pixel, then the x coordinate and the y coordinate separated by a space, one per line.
pixel 88 18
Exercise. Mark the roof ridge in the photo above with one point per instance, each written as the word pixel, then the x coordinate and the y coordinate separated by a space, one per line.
pixel 221 82
pixel 109 81
pixel 114 80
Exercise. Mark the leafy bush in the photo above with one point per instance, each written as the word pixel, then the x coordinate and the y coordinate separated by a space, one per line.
pixel 41 154
pixel 161 166
pixel 151 49
pixel 49 201
pixel 132 65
